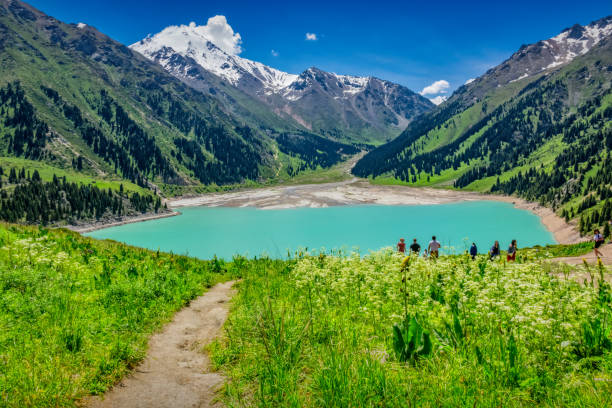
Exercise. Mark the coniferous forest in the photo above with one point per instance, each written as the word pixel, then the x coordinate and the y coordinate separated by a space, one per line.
pixel 26 198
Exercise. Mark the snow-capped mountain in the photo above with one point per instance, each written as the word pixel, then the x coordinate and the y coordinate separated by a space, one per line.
pixel 544 56
pixel 364 109
pixel 561 49
pixel 189 41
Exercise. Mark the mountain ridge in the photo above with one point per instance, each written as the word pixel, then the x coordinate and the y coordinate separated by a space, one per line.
pixel 71 94
pixel 342 107
pixel 534 136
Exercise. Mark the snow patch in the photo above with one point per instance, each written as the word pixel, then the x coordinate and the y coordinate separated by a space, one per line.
pixel 352 84
pixel 519 78
pixel 438 99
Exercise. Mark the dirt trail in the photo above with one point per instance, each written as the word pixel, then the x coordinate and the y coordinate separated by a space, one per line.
pixel 175 373
pixel 606 251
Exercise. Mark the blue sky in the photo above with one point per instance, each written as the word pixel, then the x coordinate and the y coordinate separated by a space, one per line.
pixel 412 43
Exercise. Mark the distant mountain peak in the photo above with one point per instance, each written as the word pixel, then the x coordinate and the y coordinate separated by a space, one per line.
pixel 542 56
pixel 188 41
pixel 344 106
pixel 577 40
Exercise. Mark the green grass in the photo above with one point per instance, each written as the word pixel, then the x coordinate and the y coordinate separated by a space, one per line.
pixel 559 250
pixel 76 313
pixel 444 180
pixel 47 171
pixel 323 331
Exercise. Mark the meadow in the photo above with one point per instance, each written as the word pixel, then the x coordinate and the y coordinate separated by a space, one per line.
pixel 314 330
pixel 76 313
pixel 383 330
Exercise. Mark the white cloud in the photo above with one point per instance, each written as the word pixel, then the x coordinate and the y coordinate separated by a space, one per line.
pixel 438 99
pixel 311 37
pixel 469 81
pixel 81 25
pixel 217 31
pixel 437 87
pixel 274 53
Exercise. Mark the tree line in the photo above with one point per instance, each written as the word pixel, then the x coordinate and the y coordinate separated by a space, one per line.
pixel 24 135
pixel 26 198
pixel 313 150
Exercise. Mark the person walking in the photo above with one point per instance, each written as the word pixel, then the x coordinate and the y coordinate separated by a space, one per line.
pixel 511 257
pixel 433 247
pixel 415 247
pixel 599 241
pixel 494 251
pixel 401 246
pixel 473 251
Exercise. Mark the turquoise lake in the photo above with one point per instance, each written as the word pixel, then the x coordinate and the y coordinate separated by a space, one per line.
pixel 207 231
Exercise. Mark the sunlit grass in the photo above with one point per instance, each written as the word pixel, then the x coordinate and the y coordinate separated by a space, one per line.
pixel 76 313
pixel 319 332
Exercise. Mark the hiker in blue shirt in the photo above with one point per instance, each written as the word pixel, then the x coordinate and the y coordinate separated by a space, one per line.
pixel 494 252
pixel 473 251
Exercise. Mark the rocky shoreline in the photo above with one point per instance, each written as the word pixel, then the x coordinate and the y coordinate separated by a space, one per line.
pixel 116 221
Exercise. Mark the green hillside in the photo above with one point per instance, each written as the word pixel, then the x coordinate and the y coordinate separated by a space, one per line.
pixel 76 93
pixel 78 104
pixel 546 138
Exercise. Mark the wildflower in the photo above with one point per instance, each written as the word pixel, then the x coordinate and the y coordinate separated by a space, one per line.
pixel 405 262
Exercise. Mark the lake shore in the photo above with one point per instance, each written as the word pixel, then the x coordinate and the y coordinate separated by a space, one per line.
pixel 356 191
pixel 94 226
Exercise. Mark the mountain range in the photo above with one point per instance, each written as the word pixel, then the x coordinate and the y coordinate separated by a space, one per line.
pixel 177 113
pixel 538 125
pixel 343 107
pixel 71 94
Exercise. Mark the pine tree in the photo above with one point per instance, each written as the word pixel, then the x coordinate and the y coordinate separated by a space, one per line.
pixel 13 176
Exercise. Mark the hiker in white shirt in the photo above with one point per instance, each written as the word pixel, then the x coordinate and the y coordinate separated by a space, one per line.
pixel 433 247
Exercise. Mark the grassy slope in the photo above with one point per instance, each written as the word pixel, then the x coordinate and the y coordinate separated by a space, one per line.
pixel 47 171
pixel 75 313
pixel 320 333
pixel 543 156
pixel 79 311
pixel 452 129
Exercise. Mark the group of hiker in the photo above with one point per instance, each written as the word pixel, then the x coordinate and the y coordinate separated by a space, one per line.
pixel 495 251
pixel 433 248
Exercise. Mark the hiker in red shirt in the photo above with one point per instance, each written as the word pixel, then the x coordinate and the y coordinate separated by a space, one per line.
pixel 401 246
